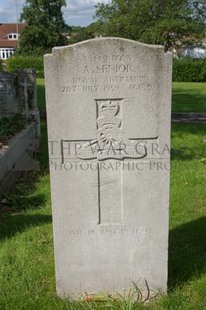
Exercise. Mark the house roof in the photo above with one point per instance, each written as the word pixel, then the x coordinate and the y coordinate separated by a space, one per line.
pixel 6 29
pixel 8 43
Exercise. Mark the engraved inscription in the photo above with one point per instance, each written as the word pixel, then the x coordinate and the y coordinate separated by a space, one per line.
pixel 124 79
pixel 84 80
pixel 112 231
pixel 111 88
pixel 107 73
pixel 69 89
pixel 109 69
pixel 90 88
pixel 106 58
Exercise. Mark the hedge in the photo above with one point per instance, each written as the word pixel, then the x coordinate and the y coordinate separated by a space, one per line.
pixel 20 62
pixel 189 70
pixel 184 70
pixel 1 64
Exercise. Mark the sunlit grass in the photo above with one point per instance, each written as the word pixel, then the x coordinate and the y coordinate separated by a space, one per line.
pixel 189 97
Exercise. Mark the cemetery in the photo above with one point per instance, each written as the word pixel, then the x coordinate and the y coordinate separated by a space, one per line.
pixel 106 221
pixel 20 125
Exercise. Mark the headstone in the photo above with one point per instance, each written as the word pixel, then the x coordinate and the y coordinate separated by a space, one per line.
pixel 108 110
pixel 27 91
pixel 8 97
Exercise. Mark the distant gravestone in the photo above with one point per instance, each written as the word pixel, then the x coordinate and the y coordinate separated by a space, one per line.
pixel 8 97
pixel 27 92
pixel 108 110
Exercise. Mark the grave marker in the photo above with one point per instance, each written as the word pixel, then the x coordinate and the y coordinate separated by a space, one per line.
pixel 108 110
pixel 8 100
pixel 28 95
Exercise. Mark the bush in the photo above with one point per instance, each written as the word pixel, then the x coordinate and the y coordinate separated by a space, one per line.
pixel 9 126
pixel 189 70
pixel 21 62
pixel 1 64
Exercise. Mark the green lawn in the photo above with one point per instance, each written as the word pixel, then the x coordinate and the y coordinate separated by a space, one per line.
pixel 26 242
pixel 186 97
pixel 189 97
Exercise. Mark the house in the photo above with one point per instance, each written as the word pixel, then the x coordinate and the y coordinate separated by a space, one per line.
pixel 9 37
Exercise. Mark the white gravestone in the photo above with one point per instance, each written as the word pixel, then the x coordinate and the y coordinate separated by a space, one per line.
pixel 108 109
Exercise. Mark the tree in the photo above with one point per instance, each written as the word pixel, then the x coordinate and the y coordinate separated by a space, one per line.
pixel 45 27
pixel 85 33
pixel 168 22
pixel 79 34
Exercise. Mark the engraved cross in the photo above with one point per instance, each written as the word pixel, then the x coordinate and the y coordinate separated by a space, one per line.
pixel 110 143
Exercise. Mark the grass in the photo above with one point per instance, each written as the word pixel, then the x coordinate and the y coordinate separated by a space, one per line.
pixel 41 94
pixel 189 97
pixel 186 97
pixel 26 243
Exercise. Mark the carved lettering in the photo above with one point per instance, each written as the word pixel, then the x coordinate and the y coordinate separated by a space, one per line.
pixel 106 58
pixel 77 232
pixel 69 89
pixel 84 80
pixel 112 231
pixel 109 69
pixel 136 86
pixel 111 88
pixel 90 89
pixel 122 58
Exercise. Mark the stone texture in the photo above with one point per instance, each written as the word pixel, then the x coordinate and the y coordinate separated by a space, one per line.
pixel 108 110
pixel 8 100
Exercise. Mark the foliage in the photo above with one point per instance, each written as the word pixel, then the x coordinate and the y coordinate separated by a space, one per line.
pixel 189 70
pixel 45 27
pixel 41 100
pixel 80 34
pixel 19 62
pixel 155 22
pixel 1 64
pixel 9 126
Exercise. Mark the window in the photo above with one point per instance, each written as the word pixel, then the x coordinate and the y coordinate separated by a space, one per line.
pixel 6 53
pixel 13 36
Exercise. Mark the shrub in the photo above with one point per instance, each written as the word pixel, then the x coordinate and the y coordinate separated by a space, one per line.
pixel 1 64
pixel 189 70
pixel 20 62
pixel 9 126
